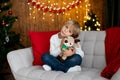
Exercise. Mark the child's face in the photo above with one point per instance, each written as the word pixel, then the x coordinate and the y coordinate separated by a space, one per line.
pixel 67 30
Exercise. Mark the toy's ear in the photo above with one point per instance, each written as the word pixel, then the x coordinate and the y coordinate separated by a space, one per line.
pixel 77 40
pixel 76 43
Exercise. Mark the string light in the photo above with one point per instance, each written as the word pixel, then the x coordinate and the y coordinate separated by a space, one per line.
pixel 53 6
pixel 52 19
pixel 67 9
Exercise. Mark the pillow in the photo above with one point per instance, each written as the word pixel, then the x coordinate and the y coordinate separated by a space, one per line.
pixel 111 68
pixel 116 76
pixel 40 44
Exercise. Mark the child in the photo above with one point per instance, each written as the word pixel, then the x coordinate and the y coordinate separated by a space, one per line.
pixel 74 58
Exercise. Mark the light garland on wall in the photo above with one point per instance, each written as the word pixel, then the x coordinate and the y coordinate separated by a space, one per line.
pixel 53 8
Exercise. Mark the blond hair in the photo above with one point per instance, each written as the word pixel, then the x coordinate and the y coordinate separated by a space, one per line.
pixel 76 27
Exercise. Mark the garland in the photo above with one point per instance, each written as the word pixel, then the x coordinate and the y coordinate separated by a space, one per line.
pixel 54 9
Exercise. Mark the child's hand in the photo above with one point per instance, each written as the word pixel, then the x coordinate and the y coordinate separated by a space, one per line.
pixel 68 52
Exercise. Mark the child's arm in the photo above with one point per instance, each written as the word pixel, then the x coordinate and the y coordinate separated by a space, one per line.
pixel 79 51
pixel 54 46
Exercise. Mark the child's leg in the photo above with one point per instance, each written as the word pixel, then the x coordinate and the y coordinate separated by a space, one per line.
pixel 54 63
pixel 73 61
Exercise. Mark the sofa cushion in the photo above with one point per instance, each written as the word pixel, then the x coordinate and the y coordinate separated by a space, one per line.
pixel 37 73
pixel 92 43
pixel 40 44
pixel 116 76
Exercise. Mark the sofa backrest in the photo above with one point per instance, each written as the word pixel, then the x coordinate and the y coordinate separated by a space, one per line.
pixel 92 43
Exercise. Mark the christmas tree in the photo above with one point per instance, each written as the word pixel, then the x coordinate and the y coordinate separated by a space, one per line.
pixel 9 40
pixel 92 23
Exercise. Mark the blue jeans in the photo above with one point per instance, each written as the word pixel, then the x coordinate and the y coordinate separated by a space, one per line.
pixel 57 65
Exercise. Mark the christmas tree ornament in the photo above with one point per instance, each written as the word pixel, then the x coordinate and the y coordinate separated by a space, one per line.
pixel 7 25
pixel 16 19
pixel 3 23
pixel 10 12
pixel 7 38
pixel 4 43
pixel 5 4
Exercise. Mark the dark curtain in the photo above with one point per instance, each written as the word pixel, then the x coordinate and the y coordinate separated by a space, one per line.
pixel 112 13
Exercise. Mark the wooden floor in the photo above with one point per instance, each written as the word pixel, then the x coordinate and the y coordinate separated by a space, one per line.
pixel 5 72
pixel 6 77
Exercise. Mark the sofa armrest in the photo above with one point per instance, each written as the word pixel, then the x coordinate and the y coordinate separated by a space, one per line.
pixel 18 59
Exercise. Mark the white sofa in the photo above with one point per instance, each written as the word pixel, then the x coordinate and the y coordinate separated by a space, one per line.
pixel 92 43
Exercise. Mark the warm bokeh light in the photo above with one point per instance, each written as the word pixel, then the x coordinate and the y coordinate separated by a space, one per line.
pixel 69 9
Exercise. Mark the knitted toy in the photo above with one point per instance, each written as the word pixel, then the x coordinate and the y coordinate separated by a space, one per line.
pixel 67 43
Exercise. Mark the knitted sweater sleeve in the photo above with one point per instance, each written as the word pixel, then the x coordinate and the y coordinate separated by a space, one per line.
pixel 79 51
pixel 55 45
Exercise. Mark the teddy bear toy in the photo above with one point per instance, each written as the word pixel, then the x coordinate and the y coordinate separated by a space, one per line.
pixel 67 43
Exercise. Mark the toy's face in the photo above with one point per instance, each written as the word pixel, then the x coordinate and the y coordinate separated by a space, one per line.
pixel 69 41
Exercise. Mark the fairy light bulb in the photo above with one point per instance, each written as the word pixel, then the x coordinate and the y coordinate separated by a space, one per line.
pixel 51 5
pixel 89 5
pixel 33 17
pixel 34 7
pixel 89 28
pixel 38 9
pixel 86 0
pixel 56 3
pixel 48 1
pixel 43 18
pixel 68 14
pixel 30 14
pixel 98 29
pixel 64 3
pixel 33 12
pixel 5 4
pixel 28 3
pixel 81 28
pixel 43 3
pixel 80 6
pixel 77 12
pixel 95 25
pixel 30 8
pixel 76 7
pixel 69 18
pixel 57 14
pixel 77 16
pixel 63 13
pixel 52 19
pixel 73 2
pixel 43 13
pixel 93 20
pixel 50 15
